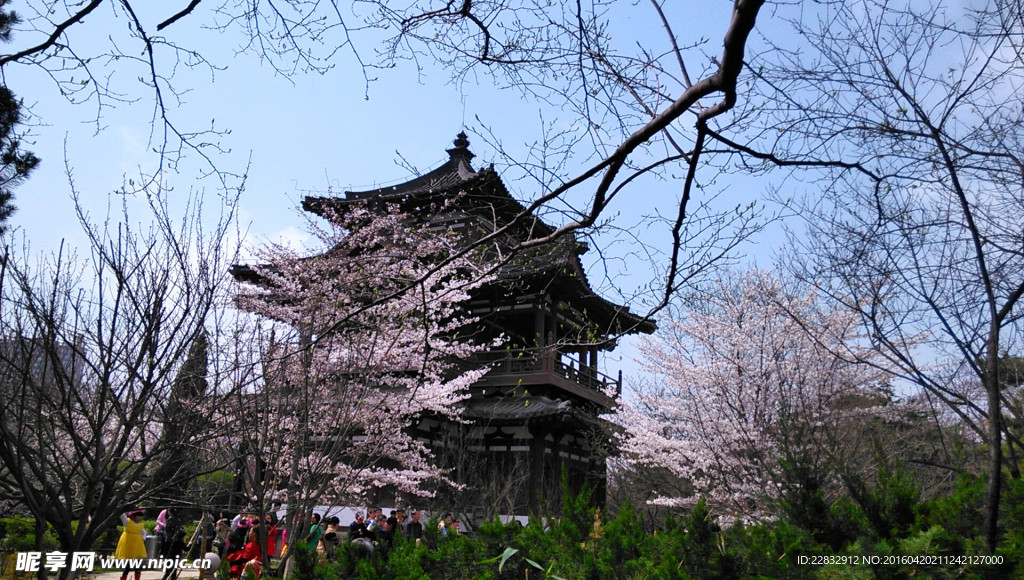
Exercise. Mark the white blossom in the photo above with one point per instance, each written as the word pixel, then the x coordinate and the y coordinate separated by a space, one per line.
pixel 751 374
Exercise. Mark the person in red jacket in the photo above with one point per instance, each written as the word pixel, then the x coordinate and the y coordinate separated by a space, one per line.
pixel 250 556
pixel 272 537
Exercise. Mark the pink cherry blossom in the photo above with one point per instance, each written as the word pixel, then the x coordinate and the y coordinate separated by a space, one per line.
pixel 751 374
pixel 359 342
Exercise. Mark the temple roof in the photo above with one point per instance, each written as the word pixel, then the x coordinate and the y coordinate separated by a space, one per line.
pixel 483 194
pixel 456 171
pixel 455 178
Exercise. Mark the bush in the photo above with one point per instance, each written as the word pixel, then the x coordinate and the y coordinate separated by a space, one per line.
pixel 19 535
pixel 580 546
pixel 620 546
pixel 772 551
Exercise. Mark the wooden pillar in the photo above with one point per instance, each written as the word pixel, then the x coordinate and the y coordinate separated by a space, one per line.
pixel 536 481
pixel 556 457
pixel 550 353
pixel 538 325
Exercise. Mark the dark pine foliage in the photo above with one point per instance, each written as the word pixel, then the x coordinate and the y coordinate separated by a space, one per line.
pixel 15 163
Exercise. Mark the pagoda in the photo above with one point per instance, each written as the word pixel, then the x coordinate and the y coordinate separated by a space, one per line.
pixel 537 413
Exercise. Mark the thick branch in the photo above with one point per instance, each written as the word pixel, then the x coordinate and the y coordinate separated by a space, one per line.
pixel 188 9
pixel 744 17
pixel 57 32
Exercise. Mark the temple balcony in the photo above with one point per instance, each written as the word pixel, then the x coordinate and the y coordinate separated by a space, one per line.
pixel 547 366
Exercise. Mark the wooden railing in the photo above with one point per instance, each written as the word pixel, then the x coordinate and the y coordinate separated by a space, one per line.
pixel 535 360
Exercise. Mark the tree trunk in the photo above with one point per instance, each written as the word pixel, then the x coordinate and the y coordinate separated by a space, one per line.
pixel 990 379
pixel 40 531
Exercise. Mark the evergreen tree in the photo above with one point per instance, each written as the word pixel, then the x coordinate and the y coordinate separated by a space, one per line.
pixel 15 163
pixel 191 378
pixel 181 422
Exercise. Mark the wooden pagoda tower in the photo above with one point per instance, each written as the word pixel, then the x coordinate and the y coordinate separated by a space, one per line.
pixel 536 414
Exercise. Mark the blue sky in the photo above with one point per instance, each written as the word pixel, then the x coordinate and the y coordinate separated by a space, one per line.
pixel 308 133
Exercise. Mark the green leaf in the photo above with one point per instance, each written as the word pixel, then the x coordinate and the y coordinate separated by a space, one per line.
pixel 509 552
pixel 503 557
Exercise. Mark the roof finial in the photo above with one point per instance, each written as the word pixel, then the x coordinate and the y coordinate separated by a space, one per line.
pixel 461 148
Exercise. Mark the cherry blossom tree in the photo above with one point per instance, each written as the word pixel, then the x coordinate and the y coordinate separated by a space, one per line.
pixel 358 342
pixel 752 379
pixel 918 230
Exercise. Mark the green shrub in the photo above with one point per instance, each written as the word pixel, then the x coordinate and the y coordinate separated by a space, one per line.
pixel 959 513
pixel 772 551
pixel 577 546
pixel 304 559
pixel 405 561
pixel 19 535
pixel 620 546
pixel 889 507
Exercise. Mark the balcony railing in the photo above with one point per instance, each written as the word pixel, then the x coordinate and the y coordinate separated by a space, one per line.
pixel 539 360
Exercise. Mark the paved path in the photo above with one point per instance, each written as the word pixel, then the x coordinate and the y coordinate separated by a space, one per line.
pixel 147 575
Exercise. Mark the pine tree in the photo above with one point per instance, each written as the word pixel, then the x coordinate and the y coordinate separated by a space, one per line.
pixel 15 163
pixel 181 422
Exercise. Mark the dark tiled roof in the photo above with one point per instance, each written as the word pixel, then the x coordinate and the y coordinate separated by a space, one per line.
pixel 456 171
pixel 454 174
pixel 552 264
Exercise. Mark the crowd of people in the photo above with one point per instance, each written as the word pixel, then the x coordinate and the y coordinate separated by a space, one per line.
pixel 375 529
pixel 132 543
pixel 238 540
pixel 248 538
